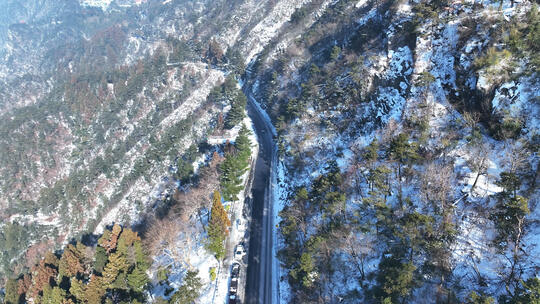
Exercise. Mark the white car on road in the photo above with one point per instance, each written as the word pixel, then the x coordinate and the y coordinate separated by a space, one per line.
pixel 239 251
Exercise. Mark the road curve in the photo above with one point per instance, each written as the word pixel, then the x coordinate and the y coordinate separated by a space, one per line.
pixel 259 286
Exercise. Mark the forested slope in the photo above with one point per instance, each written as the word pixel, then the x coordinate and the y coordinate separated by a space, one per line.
pixel 408 138
pixel 407 134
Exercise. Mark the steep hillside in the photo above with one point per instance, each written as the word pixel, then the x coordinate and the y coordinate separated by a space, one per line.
pixel 407 134
pixel 408 138
pixel 112 99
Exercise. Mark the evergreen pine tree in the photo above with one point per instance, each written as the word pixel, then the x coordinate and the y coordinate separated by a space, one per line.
pixel 237 111
pixel 334 54
pixel 120 282
pixel 527 292
pixel 70 262
pixel 117 263
pixel 371 151
pixel 189 291
pixel 100 259
pixel 11 292
pixel 95 290
pixel 184 169
pixel 141 259
pixel 230 181
pixel 53 295
pixel 395 278
pixel 137 279
pixel 510 182
pixel 509 218
pixel 306 270
pixel 215 241
pixel 77 289
pixel 401 150
pixel 243 144
pixel 475 298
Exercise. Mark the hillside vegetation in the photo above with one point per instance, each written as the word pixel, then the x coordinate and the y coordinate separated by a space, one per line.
pixel 408 139
pixel 407 134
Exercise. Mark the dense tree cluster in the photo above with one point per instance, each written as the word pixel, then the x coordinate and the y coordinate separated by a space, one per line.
pixel 233 167
pixel 236 163
pixel 84 102
pixel 184 164
pixel 237 112
pixel 320 224
pixel 189 291
pixel 112 272
pixel 392 220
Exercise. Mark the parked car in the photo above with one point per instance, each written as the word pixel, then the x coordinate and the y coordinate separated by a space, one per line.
pixel 235 270
pixel 233 289
pixel 239 251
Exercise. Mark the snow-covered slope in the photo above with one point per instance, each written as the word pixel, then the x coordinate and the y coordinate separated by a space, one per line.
pixel 369 71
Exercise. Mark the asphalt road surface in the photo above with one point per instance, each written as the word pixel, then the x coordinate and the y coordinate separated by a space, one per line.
pixel 259 270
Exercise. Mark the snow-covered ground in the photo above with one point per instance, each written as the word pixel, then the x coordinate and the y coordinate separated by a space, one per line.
pixel 188 252
pixel 148 191
pixel 268 28
pixel 436 46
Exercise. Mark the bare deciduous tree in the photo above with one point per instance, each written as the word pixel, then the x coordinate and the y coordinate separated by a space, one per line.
pixel 190 201
pixel 516 157
pixel 436 184
pixel 359 247
pixel 479 161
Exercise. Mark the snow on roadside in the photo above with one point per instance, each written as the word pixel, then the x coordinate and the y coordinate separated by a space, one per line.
pixel 239 226
pixel 186 255
pixel 280 193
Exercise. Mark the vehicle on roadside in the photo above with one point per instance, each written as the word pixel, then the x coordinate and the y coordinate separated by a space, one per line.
pixel 239 251
pixel 233 288
pixel 235 270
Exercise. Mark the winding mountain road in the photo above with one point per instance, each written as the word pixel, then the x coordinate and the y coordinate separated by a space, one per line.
pixel 259 286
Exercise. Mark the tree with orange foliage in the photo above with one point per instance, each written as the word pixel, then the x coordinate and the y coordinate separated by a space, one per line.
pixel 219 215
pixel 109 239
pixel 24 284
pixel 42 275
pixel 70 262
pixel 123 268
pixel 218 228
